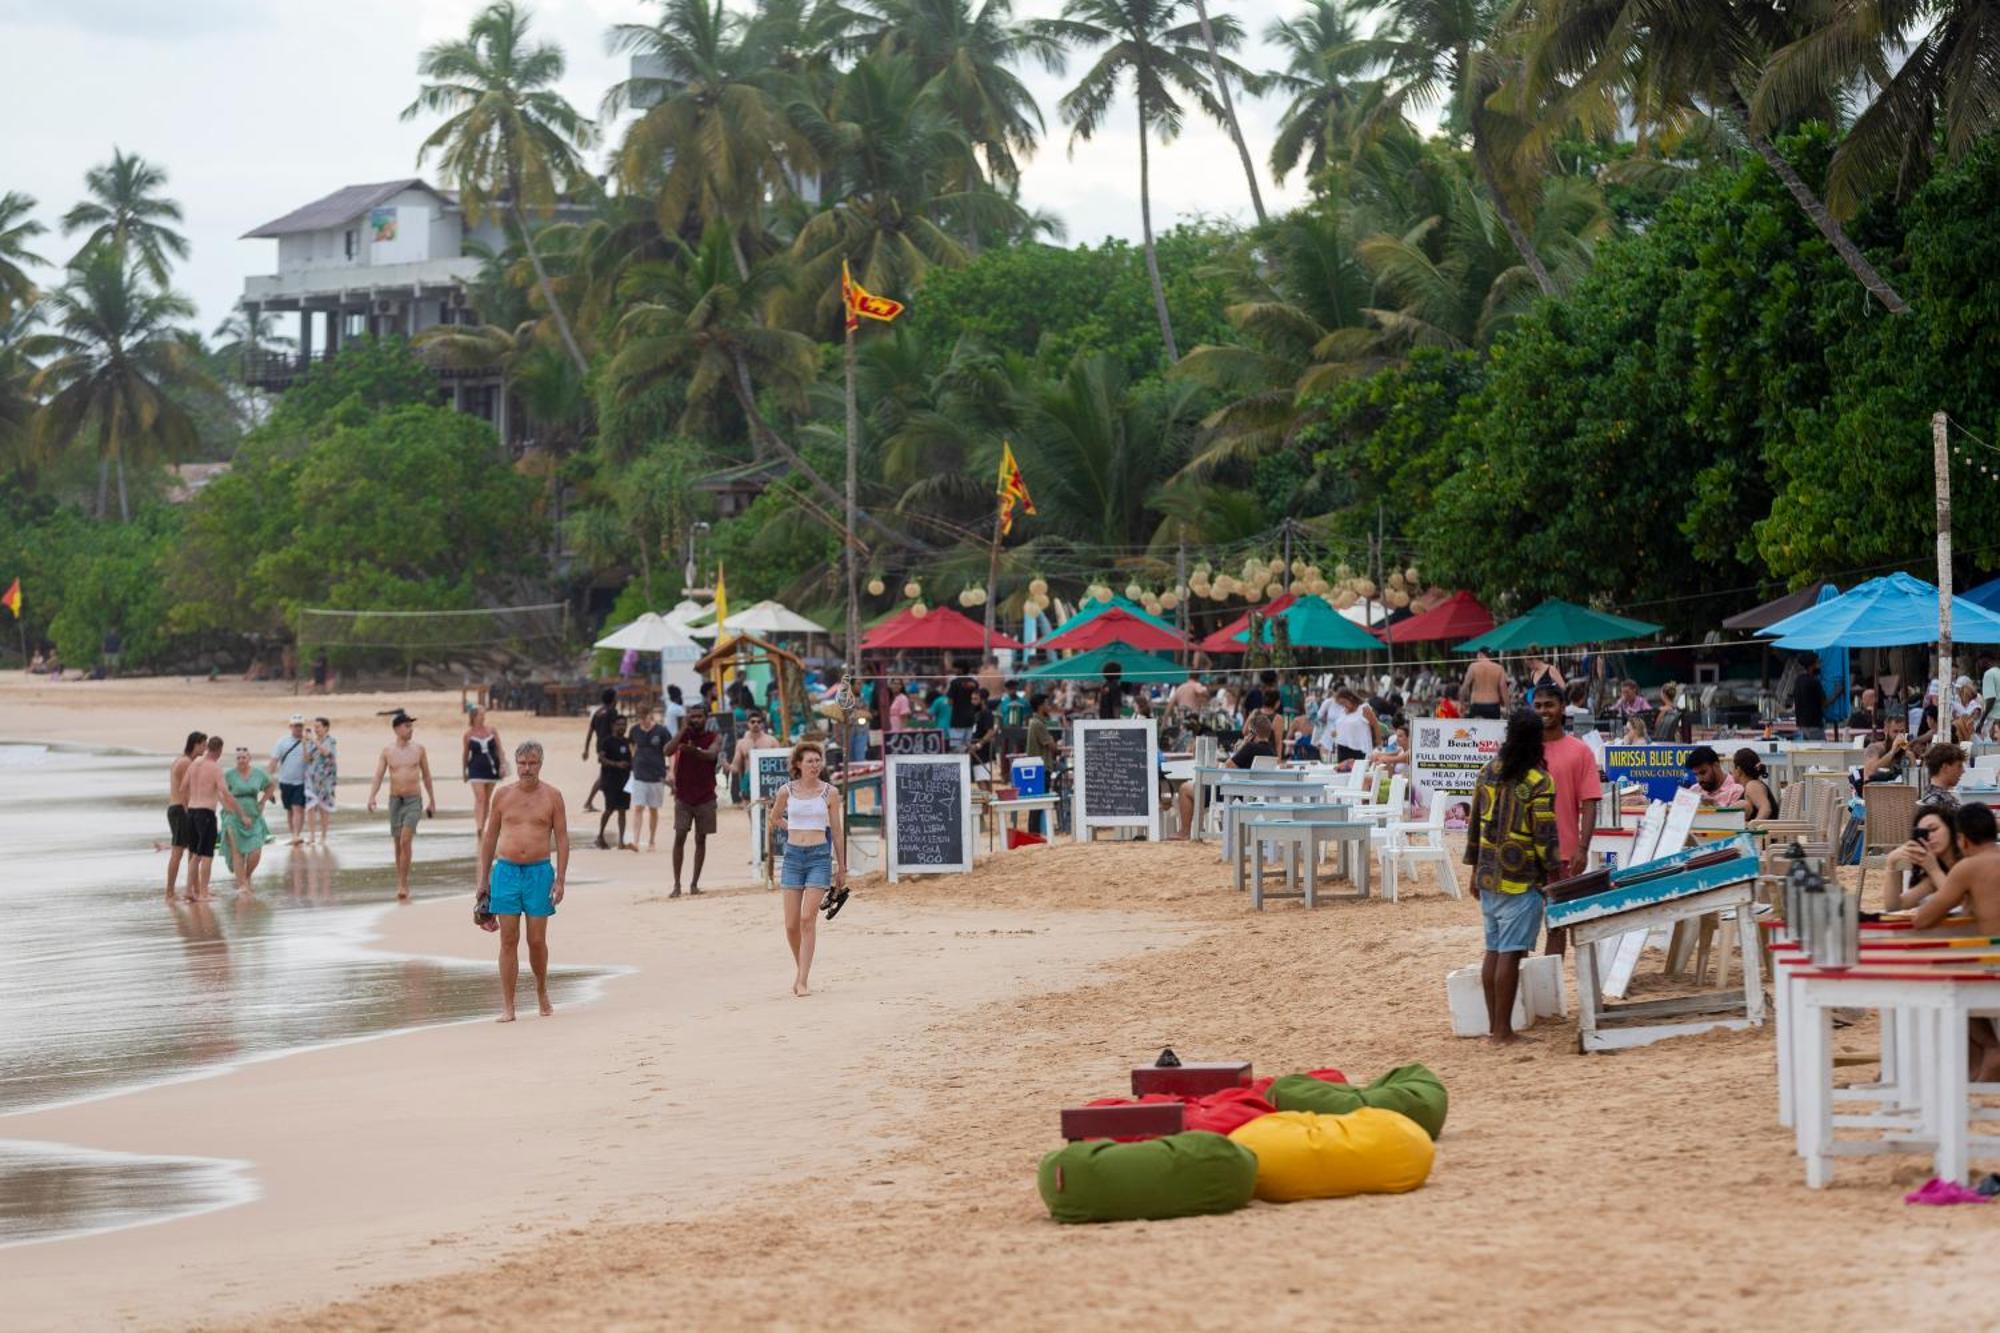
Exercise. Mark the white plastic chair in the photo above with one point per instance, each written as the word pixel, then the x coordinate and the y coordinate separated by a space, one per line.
pixel 1412 842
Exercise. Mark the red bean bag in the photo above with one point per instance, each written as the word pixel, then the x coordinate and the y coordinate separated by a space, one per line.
pixel 1262 1086
pixel 1217 1113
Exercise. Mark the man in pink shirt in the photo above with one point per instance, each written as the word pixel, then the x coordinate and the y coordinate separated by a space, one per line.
pixel 1574 768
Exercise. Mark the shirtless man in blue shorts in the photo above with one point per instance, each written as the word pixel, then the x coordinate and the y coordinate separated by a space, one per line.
pixel 516 879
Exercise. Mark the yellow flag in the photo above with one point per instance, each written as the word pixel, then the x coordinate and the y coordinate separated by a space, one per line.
pixel 1013 489
pixel 722 636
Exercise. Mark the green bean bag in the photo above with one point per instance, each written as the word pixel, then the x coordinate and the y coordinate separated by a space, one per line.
pixel 1181 1175
pixel 1411 1090
pixel 1303 1155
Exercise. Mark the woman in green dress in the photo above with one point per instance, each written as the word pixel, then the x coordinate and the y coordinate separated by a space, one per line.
pixel 244 836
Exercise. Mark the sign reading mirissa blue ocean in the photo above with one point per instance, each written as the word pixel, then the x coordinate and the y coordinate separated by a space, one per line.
pixel 1660 769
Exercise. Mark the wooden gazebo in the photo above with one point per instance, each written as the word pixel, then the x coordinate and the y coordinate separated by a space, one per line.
pixel 745 650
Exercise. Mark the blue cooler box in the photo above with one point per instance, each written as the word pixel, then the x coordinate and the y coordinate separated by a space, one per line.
pixel 1030 777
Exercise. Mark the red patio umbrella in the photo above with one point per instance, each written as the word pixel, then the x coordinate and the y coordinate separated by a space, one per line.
pixel 1224 640
pixel 1457 617
pixel 940 630
pixel 1115 626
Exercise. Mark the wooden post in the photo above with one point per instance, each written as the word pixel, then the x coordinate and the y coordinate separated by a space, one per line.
pixel 850 538
pixel 1941 465
pixel 992 587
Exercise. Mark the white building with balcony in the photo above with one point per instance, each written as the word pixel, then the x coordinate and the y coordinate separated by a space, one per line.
pixel 377 260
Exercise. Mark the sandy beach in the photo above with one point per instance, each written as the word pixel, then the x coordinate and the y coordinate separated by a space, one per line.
pixel 698 1149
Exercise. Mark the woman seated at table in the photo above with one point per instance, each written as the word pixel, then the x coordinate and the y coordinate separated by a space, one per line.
pixel 1257 743
pixel 1299 746
pixel 1395 752
pixel 1758 802
pixel 1926 858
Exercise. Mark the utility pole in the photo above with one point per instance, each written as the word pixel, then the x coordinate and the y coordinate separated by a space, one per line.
pixel 1180 598
pixel 1941 465
pixel 1287 572
pixel 852 535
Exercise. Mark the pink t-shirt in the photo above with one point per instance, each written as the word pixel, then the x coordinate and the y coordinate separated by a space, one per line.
pixel 1574 768
pixel 899 712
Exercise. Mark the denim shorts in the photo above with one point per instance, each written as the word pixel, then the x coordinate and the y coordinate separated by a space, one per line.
pixel 806 867
pixel 1513 920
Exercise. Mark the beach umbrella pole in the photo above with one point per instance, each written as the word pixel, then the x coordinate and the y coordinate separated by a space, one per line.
pixel 1941 465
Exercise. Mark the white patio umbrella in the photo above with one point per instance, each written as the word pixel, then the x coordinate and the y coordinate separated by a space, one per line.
pixel 771 618
pixel 693 618
pixel 654 633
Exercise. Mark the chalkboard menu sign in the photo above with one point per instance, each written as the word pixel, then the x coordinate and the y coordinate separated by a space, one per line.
pixel 928 741
pixel 769 770
pixel 1117 776
pixel 928 814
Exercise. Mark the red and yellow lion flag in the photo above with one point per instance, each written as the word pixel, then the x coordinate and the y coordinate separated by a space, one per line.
pixel 1013 489
pixel 860 302
pixel 12 601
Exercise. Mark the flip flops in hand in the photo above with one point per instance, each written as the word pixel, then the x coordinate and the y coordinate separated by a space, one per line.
pixel 834 902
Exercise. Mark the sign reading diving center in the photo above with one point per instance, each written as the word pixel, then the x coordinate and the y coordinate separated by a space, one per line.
pixel 1117 776
pixel 927 811
pixel 1660 769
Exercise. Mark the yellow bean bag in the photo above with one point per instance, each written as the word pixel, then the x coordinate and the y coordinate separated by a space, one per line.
pixel 1304 1155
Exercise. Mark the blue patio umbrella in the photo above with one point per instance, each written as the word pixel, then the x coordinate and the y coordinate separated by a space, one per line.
pixel 1986 594
pixel 1893 611
pixel 1833 669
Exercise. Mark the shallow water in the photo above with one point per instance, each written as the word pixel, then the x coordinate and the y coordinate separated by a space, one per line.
pixel 111 988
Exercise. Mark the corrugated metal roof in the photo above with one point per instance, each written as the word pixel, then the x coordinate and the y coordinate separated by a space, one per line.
pixel 341 207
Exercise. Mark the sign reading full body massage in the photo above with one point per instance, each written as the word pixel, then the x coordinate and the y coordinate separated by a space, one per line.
pixel 1446 754
pixel 1660 769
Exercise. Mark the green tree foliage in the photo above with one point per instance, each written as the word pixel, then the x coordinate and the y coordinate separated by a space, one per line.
pixel 80 579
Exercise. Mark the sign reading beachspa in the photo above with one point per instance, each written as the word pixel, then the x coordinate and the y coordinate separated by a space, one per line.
pixel 1660 769
pixel 1446 754
pixel 928 814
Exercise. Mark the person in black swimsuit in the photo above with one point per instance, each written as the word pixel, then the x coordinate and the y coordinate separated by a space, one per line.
pixel 600 727
pixel 614 766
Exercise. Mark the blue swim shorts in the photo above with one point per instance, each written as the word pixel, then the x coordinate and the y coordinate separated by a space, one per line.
pixel 1513 920
pixel 521 890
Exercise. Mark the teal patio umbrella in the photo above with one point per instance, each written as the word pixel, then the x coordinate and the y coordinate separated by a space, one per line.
pixel 1134 663
pixel 1090 608
pixel 1558 624
pixel 1311 623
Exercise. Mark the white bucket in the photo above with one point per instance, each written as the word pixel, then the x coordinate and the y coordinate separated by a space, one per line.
pixel 1541 995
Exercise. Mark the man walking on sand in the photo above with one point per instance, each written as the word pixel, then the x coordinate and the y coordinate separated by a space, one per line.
pixel 408 769
pixel 649 776
pixel 516 879
pixel 695 750
pixel 177 827
pixel 288 765
pixel 1573 768
pixel 206 791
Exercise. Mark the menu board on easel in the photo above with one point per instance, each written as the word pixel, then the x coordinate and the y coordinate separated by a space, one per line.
pixel 1117 776
pixel 927 814
pixel 769 770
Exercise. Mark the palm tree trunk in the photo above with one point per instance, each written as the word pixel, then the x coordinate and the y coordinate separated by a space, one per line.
pixel 103 483
pixel 1146 227
pixel 1738 113
pixel 1229 110
pixel 124 506
pixel 548 292
pixel 1516 233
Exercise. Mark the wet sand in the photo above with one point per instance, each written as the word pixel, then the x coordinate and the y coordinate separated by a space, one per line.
pixel 697 1151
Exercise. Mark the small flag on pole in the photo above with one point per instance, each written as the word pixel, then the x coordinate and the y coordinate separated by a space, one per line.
pixel 12 601
pixel 1013 489
pixel 722 636
pixel 860 302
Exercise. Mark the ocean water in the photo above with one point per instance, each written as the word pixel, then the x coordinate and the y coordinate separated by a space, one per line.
pixel 112 989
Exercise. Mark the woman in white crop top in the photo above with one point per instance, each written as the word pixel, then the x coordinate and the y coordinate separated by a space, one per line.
pixel 815 858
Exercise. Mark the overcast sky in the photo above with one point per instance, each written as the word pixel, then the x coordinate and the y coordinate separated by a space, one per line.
pixel 255 107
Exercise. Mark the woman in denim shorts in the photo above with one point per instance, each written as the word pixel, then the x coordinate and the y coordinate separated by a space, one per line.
pixel 807 810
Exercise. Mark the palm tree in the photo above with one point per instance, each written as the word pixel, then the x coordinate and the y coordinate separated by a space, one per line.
pixel 1145 42
pixel 1098 447
pixel 1324 65
pixel 1945 78
pixel 1672 59
pixel 125 212
pixel 508 141
pixel 898 170
pixel 1234 126
pixel 963 53
pixel 1444 51
pixel 712 141
pixel 17 290
pixel 17 399
pixel 117 354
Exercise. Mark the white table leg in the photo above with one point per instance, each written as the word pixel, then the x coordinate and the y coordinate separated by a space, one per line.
pixel 1952 1058
pixel 1588 991
pixel 1257 880
pixel 1815 1085
pixel 1787 1043
pixel 1749 965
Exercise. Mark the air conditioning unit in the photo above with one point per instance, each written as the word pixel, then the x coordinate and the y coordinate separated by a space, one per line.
pixel 385 307
pixel 458 298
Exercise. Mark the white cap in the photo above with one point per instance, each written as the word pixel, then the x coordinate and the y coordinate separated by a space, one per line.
pixel 298 719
